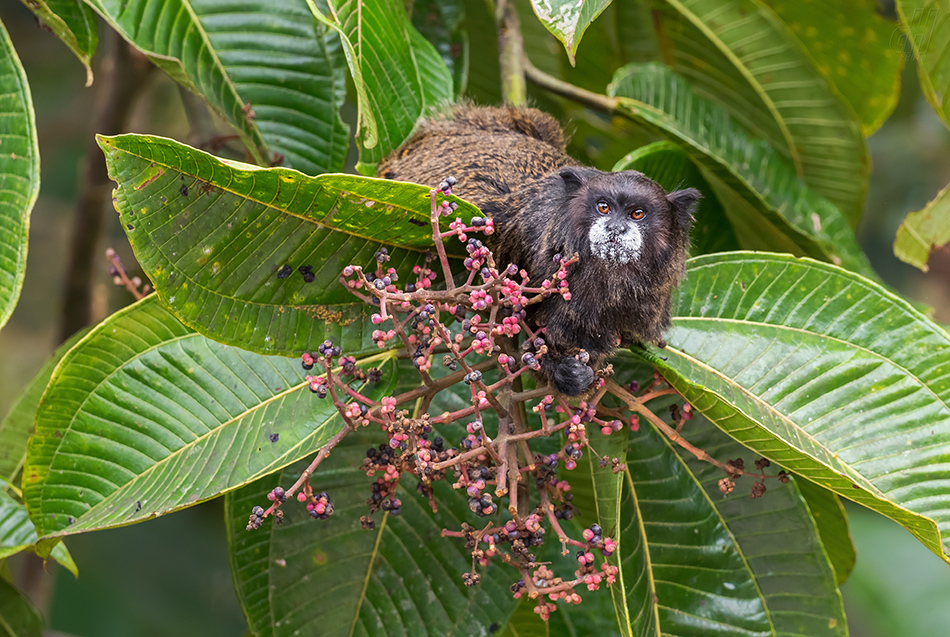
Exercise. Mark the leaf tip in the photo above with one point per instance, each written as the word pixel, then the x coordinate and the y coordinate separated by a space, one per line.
pixel 105 141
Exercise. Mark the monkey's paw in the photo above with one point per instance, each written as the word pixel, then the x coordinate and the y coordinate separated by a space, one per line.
pixel 571 377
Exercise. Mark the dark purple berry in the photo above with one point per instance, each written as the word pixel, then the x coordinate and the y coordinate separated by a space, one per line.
pixel 284 272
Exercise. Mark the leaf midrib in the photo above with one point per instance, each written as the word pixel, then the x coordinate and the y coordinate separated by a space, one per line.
pixel 860 348
pixel 648 563
pixel 369 574
pixel 722 521
pixel 778 415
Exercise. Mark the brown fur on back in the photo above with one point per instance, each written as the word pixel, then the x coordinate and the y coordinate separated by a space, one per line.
pixel 491 151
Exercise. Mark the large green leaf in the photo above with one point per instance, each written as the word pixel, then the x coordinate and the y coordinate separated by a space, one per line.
pixel 17 426
pixel 927 27
pixel 212 236
pixel 742 54
pixel 17 533
pixel 923 231
pixel 399 74
pixel 853 46
pixel 73 22
pixel 758 189
pixel 713 559
pixel 823 372
pixel 567 20
pixel 144 416
pixel 19 174
pixel 670 166
pixel 272 58
pixel 18 617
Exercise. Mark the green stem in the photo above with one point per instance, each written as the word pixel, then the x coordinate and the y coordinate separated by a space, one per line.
pixel 514 88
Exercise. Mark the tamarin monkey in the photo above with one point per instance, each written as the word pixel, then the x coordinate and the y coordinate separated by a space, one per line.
pixel 631 236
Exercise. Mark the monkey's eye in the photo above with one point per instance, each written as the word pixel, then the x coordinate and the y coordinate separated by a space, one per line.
pixel 603 207
pixel 637 214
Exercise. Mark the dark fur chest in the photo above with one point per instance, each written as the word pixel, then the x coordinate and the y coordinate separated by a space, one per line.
pixel 607 305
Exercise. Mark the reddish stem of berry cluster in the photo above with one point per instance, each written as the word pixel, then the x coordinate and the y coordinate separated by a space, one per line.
pixel 120 277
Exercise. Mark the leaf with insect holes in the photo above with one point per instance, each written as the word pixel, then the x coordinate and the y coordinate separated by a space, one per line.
pixel 145 416
pixel 217 239
pixel 824 372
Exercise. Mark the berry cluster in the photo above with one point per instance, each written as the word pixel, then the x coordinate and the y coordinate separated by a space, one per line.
pixel 472 324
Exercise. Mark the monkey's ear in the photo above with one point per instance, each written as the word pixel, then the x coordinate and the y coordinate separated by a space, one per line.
pixel 683 202
pixel 574 177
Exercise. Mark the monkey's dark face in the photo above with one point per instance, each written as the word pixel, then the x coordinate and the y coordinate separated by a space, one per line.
pixel 626 218
pixel 621 218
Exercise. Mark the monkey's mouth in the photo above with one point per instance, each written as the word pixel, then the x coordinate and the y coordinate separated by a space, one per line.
pixel 616 248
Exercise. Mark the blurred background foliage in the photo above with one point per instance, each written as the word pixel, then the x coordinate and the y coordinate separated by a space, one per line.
pixel 171 576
